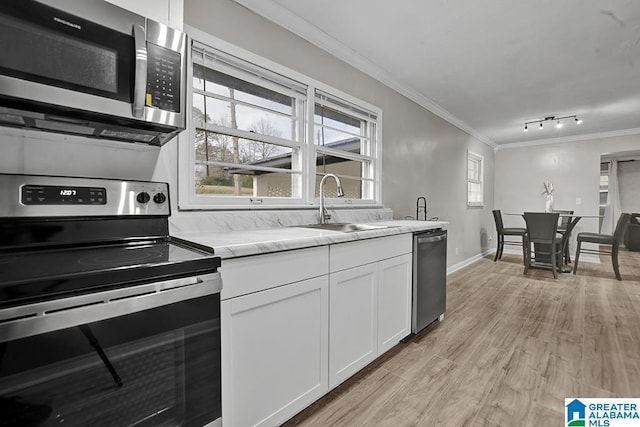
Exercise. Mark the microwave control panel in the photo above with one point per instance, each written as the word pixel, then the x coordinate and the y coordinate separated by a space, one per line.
pixel 163 78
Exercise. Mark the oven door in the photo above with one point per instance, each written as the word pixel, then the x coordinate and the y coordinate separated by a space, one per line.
pixel 146 356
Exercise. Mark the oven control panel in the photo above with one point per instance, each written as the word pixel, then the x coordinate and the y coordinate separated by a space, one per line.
pixel 63 195
pixel 55 196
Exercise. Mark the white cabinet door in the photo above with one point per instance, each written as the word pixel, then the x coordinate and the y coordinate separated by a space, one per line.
pixel 353 323
pixel 274 352
pixel 168 12
pixel 394 301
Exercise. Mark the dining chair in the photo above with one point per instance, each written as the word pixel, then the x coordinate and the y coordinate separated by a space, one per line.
pixel 542 231
pixel 632 236
pixel 565 237
pixel 604 239
pixel 565 220
pixel 509 231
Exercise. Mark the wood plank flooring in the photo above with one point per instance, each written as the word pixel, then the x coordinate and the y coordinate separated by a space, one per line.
pixel 510 349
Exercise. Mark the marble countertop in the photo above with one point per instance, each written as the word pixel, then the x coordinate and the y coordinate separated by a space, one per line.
pixel 240 243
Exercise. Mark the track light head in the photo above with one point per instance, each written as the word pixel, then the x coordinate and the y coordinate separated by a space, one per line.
pixel 558 124
pixel 578 121
pixel 540 127
pixel 526 129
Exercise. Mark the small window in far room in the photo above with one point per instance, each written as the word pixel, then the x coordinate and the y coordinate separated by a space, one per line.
pixel 475 184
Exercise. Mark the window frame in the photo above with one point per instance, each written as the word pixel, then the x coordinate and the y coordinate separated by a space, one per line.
pixel 188 199
pixel 479 159
pixel 368 173
pixel 296 143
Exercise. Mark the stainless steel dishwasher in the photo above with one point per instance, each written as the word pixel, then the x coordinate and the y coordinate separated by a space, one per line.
pixel 429 278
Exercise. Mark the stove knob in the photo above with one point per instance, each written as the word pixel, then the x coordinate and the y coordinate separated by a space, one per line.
pixel 159 198
pixel 143 197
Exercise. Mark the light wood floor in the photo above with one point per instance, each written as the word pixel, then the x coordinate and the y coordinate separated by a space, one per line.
pixel 510 349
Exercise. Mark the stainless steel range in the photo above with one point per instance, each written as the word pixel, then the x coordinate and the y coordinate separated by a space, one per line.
pixel 105 319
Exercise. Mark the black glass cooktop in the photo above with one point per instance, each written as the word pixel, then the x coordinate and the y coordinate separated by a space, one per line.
pixel 43 274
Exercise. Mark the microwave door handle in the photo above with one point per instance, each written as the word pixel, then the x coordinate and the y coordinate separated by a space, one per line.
pixel 140 80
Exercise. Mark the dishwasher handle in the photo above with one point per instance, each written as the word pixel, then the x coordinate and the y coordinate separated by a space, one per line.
pixel 431 239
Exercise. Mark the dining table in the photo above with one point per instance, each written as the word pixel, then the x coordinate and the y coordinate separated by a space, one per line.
pixel 566 235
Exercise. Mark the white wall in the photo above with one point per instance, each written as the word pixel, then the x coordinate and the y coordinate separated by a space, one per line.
pixel 572 167
pixel 423 155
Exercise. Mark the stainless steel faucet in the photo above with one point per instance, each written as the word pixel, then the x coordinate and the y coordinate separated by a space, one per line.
pixel 324 215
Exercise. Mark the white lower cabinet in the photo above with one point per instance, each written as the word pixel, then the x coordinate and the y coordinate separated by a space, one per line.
pixel 394 301
pixel 296 324
pixel 369 301
pixel 353 321
pixel 274 352
pixel 369 312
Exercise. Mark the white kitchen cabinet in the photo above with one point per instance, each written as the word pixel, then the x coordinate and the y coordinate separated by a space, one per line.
pixel 246 275
pixel 360 252
pixel 353 324
pixel 369 304
pixel 274 352
pixel 170 12
pixel 297 323
pixel 394 301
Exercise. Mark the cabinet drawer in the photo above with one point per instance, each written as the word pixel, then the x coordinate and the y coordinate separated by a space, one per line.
pixel 241 276
pixel 352 254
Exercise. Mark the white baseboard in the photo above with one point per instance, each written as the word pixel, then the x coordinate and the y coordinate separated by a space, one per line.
pixel 468 261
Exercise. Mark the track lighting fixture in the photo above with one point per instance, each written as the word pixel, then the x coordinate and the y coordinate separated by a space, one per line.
pixel 558 121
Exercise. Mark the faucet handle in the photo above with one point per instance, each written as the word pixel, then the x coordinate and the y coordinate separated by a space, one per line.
pixel 326 215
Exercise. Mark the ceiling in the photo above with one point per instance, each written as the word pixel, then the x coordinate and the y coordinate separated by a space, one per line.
pixel 489 66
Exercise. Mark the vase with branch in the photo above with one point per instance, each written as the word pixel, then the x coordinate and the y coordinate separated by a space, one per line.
pixel 548 195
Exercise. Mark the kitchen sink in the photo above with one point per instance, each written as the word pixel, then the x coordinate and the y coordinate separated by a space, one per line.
pixel 346 227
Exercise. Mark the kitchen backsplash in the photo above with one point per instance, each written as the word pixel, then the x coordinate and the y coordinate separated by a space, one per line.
pixel 190 222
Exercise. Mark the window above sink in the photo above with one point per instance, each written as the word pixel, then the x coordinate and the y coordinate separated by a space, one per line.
pixel 263 136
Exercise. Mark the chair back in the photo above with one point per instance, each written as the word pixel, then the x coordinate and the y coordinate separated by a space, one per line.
pixel 569 227
pixel 621 228
pixel 497 217
pixel 565 219
pixel 541 226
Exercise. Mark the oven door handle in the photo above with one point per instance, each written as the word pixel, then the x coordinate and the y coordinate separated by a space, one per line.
pixel 39 318
pixel 140 79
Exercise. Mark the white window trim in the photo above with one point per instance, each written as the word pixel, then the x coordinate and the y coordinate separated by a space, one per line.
pixel 478 157
pixel 188 200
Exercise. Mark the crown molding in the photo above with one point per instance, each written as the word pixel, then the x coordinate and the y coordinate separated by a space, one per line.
pixel 574 138
pixel 302 28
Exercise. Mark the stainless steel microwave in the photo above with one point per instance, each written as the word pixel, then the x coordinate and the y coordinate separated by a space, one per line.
pixel 91 68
